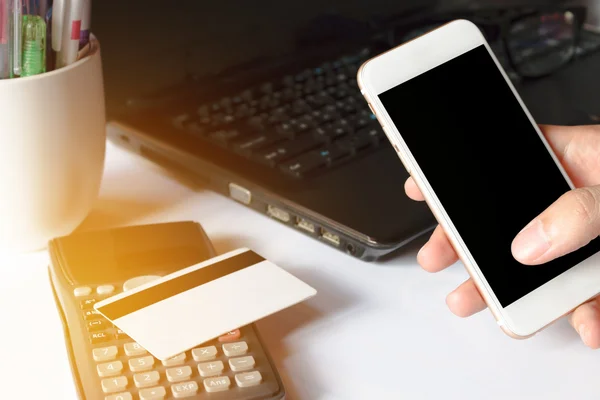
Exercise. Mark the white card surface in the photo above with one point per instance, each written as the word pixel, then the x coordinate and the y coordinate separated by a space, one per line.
pixel 182 310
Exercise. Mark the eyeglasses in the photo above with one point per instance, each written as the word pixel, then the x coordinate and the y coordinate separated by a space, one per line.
pixel 530 43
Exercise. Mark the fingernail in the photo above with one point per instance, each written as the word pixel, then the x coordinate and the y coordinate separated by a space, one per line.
pixel 531 243
pixel 584 332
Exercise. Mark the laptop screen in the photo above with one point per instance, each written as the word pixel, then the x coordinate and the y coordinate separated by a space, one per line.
pixel 151 44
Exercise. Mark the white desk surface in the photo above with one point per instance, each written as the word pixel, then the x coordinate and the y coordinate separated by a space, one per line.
pixel 374 331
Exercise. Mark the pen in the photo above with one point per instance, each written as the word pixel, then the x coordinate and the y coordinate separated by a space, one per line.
pixel 42 7
pixel 86 17
pixel 58 16
pixel 50 54
pixel 4 26
pixel 15 50
pixel 33 41
pixel 71 33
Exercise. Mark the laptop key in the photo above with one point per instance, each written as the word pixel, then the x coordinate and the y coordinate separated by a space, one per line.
pixel 299 107
pixel 337 130
pixel 319 99
pixel 180 121
pixel 256 142
pixel 287 129
pixel 305 123
pixel 332 154
pixel 375 133
pixel 356 142
pixel 360 121
pixel 203 111
pixel 303 165
pixel 223 137
pixel 285 150
pixel 244 111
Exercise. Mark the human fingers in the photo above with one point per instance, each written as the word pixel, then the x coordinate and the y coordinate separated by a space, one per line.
pixel 465 300
pixel 412 190
pixel 568 224
pixel 586 321
pixel 578 150
pixel 437 254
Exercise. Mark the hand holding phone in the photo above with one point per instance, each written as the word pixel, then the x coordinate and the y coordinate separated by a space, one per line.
pixel 578 148
pixel 480 161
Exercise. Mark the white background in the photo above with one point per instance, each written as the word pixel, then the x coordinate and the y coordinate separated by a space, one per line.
pixel 374 331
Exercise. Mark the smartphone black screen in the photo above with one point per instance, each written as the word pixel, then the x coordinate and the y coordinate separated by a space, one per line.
pixel 485 162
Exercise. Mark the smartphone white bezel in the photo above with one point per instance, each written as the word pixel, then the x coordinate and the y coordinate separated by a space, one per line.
pixel 552 300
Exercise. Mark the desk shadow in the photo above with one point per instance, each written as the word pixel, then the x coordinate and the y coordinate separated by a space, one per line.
pixel 331 302
pixel 116 212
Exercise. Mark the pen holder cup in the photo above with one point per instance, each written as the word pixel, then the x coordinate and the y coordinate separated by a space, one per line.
pixel 52 146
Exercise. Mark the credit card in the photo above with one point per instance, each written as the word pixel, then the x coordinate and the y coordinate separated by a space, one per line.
pixel 182 310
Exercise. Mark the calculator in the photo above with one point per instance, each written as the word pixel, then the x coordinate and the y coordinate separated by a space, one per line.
pixel 107 364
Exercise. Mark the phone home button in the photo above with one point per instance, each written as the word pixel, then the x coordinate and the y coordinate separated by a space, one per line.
pixel 138 281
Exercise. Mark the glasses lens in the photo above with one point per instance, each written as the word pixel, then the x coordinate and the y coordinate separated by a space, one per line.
pixel 540 44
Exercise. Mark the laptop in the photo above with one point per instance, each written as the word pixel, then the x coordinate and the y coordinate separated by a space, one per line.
pixel 258 101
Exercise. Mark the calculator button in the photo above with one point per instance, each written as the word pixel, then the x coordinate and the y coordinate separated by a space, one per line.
pixel 105 289
pixel 173 361
pixel 146 379
pixel 141 364
pixel 134 349
pixel 119 396
pixel 82 291
pixel 109 369
pixel 186 389
pixel 179 374
pixel 121 335
pixel 230 336
pixel 248 379
pixel 87 304
pixel 91 314
pixel 100 337
pixel 156 393
pixel 211 368
pixel 96 325
pixel 241 363
pixel 105 353
pixel 235 349
pixel 113 385
pixel 204 353
pixel 138 281
pixel 217 384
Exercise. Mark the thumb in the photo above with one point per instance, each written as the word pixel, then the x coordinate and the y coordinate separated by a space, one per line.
pixel 568 224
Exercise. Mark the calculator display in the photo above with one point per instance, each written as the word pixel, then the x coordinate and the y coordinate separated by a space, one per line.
pixel 118 255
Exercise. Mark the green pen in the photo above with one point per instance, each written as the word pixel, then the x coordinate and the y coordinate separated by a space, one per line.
pixel 33 54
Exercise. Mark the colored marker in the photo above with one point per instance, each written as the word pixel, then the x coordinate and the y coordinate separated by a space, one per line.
pixel 71 33
pixel 4 48
pixel 86 17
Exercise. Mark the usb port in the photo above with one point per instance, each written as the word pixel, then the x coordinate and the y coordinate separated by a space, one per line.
pixel 278 213
pixel 305 225
pixel 330 237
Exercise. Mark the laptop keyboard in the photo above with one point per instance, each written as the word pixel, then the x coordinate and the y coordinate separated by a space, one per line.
pixel 301 124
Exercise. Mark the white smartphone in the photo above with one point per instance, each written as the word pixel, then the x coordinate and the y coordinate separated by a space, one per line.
pixel 484 167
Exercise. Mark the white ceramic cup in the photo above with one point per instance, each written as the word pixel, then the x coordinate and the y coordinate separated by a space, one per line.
pixel 52 145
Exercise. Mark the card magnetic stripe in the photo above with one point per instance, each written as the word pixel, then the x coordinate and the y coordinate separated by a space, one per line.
pixel 172 287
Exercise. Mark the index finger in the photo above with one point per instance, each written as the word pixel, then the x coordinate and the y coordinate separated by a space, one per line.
pixel 412 190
